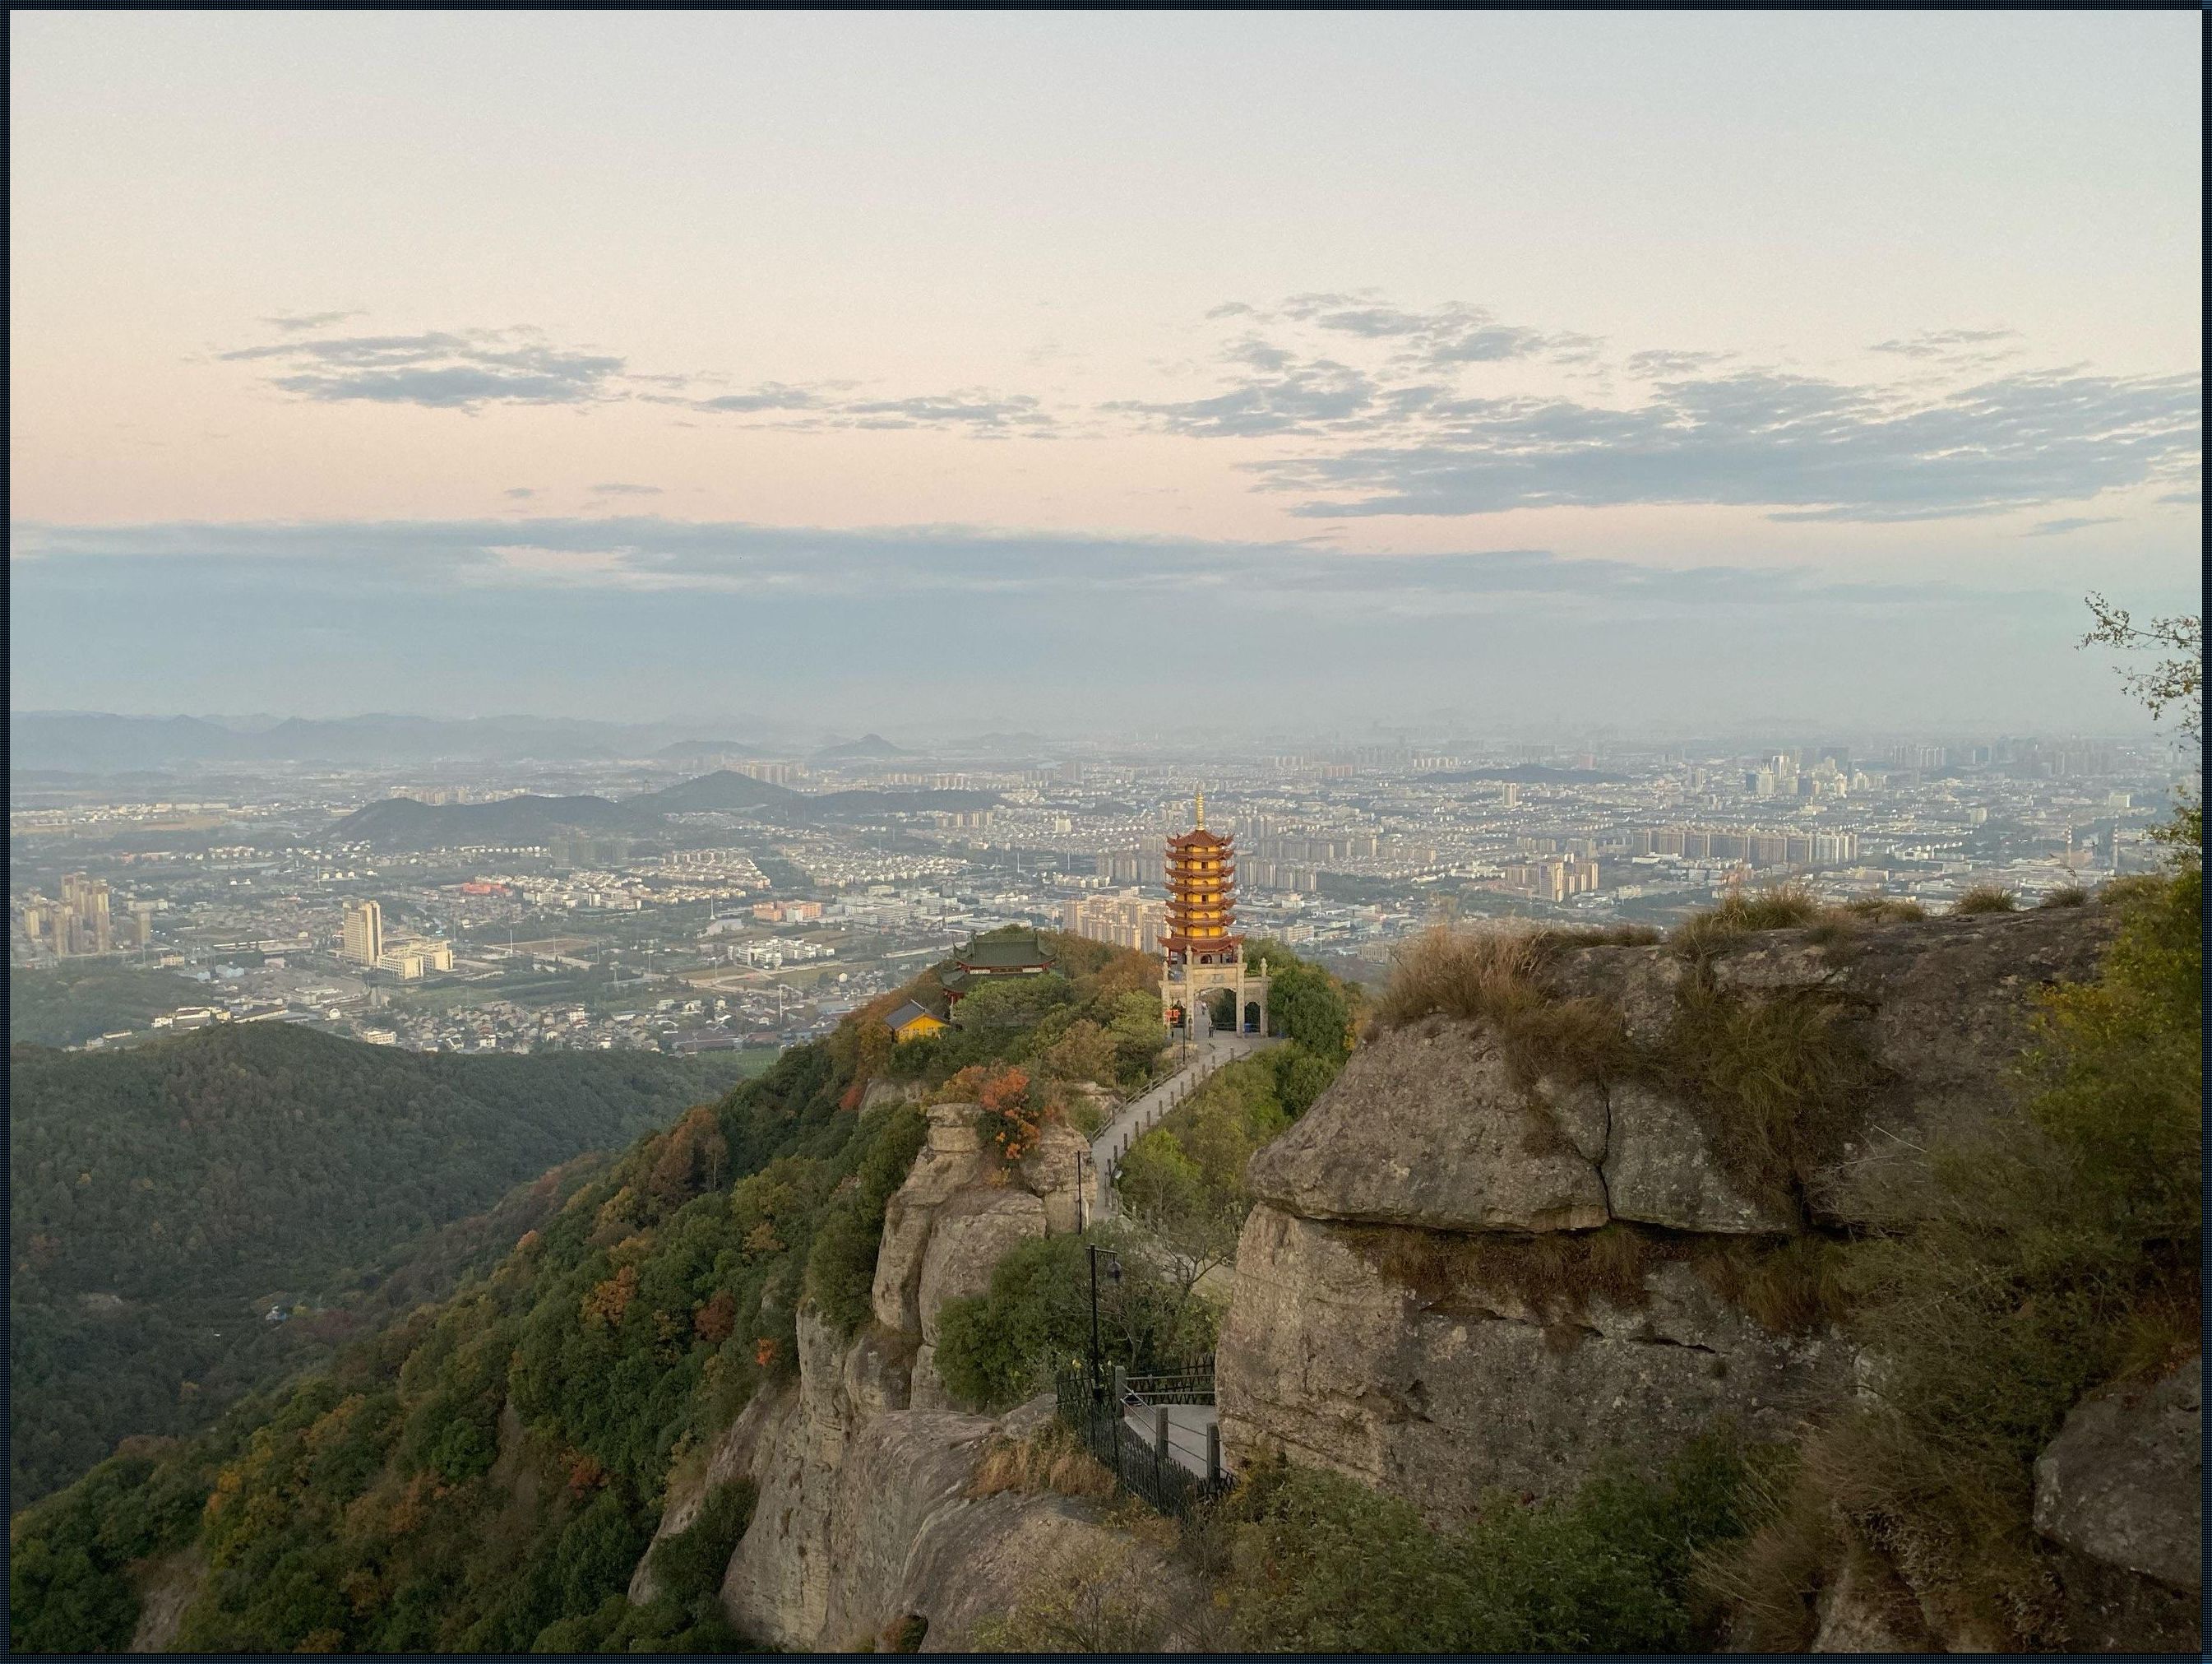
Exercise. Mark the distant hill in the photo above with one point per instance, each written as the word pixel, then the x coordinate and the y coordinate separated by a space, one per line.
pixel 99 743
pixel 721 790
pixel 867 747
pixel 401 823
pixel 156 1196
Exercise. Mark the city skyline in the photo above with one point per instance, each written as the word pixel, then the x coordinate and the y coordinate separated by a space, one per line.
pixel 1675 370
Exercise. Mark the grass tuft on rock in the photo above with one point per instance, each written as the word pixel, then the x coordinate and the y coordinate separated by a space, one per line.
pixel 1790 1287
pixel 1776 1079
pixel 1495 978
pixel 1744 912
pixel 1985 898
pixel 1050 1459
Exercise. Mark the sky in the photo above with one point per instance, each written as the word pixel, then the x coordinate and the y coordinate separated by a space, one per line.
pixel 1244 371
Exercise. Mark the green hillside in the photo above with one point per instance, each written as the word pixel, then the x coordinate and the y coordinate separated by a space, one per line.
pixel 483 1475
pixel 161 1199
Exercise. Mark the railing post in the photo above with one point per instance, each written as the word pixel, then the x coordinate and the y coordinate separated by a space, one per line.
pixel 1160 1431
pixel 1214 1453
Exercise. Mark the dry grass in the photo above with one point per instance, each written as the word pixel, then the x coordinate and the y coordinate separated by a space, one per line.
pixel 1986 899
pixel 1778 1079
pixel 2071 895
pixel 1792 1287
pixel 1494 978
pixel 2114 892
pixel 1743 913
pixel 1770 1580
pixel 1050 1459
pixel 1795 1286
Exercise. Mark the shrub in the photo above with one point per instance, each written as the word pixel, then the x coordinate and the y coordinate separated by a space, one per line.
pixel 688 1564
pixel 1051 1459
pixel 1776 1078
pixel 841 1268
pixel 996 1349
pixel 1099 1596
pixel 1743 913
pixel 2061 1253
pixel 1986 899
pixel 1321 1563
pixel 1493 976
pixel 2070 895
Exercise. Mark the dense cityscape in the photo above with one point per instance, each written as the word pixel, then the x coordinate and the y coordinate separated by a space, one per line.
pixel 147 905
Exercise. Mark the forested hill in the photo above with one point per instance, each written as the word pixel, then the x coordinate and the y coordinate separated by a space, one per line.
pixel 156 1195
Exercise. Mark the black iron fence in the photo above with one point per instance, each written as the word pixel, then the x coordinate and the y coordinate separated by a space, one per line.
pixel 1131 1425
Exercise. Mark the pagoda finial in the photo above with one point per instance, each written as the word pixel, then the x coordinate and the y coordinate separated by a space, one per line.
pixel 1202 808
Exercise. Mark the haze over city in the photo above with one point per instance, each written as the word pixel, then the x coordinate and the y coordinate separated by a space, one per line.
pixel 1670 374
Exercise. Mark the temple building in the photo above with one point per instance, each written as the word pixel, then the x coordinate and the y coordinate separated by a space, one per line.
pixel 987 957
pixel 1202 954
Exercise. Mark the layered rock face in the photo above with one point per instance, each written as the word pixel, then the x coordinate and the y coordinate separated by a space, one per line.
pixel 1385 1321
pixel 861 1468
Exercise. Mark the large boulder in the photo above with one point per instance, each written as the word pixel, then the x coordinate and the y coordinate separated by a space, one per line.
pixel 972 1233
pixel 1438 1388
pixel 1426 1127
pixel 1661 1168
pixel 2124 1482
pixel 1944 1011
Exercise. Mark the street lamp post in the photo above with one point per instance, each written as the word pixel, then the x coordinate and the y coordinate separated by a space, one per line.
pixel 1114 1272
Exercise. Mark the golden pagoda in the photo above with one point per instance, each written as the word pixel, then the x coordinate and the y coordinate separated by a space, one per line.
pixel 1200 951
pixel 1201 910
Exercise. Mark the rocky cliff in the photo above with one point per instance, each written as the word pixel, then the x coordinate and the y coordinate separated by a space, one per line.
pixel 1473 1266
pixel 861 1467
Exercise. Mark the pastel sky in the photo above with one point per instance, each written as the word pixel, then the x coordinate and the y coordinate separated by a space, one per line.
pixel 1630 368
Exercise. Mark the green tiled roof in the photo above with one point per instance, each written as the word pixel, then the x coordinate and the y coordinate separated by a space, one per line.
pixel 1004 953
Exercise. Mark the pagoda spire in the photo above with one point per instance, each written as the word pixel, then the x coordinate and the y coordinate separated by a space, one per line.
pixel 1199 824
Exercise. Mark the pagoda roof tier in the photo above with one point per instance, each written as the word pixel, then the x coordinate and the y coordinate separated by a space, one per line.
pixel 1200 944
pixel 1200 839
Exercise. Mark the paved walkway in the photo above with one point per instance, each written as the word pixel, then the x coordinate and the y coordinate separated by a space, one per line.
pixel 1188 1424
pixel 1208 1051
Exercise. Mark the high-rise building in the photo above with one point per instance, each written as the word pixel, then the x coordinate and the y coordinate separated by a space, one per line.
pixel 1127 920
pixel 142 923
pixel 81 924
pixel 364 933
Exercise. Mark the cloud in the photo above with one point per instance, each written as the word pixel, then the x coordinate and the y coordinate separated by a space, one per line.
pixel 617 488
pixel 1805 447
pixel 769 396
pixel 2183 496
pixel 977 410
pixel 1660 362
pixel 441 370
pixel 1281 394
pixel 2071 523
pixel 1943 343
pixel 522 490
pixel 1453 334
pixel 299 320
